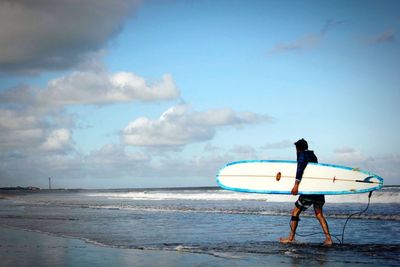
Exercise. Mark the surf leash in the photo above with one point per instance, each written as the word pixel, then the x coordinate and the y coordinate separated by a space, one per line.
pixel 356 213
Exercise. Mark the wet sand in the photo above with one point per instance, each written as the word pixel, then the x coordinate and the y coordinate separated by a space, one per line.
pixel 26 248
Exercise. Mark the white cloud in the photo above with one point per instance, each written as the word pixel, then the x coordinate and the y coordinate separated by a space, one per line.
pixel 27 127
pixel 13 120
pixel 115 155
pixel 114 162
pixel 345 150
pixel 244 152
pixel 307 41
pixel 57 140
pixel 279 145
pixel 388 36
pixel 348 154
pixel 99 88
pixel 386 166
pixel 210 148
pixel 180 125
pixel 91 88
pixel 19 129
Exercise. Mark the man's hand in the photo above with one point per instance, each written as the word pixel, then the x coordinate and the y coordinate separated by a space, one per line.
pixel 295 189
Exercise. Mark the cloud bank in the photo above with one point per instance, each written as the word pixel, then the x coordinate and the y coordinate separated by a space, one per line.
pixel 51 35
pixel 35 118
pixel 37 132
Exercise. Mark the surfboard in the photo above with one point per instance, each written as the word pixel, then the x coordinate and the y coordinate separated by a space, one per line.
pixel 278 177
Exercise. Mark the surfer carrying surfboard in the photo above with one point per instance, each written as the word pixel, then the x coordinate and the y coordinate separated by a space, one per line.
pixel 304 156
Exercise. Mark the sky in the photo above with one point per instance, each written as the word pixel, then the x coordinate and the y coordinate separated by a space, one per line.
pixel 123 94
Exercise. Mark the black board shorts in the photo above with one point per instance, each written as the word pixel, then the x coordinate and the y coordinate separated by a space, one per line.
pixel 305 201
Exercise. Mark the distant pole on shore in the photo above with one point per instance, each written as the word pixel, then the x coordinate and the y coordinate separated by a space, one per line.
pixel 49 182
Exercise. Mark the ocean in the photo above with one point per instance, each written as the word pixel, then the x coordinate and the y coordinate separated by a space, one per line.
pixel 224 224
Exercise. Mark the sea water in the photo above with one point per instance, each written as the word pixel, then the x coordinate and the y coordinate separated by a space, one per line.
pixel 216 222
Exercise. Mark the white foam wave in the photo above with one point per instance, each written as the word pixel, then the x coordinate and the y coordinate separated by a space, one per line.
pixel 205 195
pixel 382 196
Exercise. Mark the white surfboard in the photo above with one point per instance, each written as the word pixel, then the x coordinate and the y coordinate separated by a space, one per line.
pixel 278 176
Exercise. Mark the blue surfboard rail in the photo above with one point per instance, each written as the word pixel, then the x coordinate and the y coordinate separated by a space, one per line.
pixel 369 174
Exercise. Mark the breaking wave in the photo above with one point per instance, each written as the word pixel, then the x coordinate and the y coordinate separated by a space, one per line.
pixel 385 195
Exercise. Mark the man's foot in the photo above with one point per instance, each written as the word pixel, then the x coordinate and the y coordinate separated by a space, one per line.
pixel 328 242
pixel 286 240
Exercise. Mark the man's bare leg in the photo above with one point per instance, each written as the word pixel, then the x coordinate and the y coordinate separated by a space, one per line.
pixel 293 226
pixel 320 216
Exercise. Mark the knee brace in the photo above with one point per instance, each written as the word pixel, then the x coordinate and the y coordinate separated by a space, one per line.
pixel 295 218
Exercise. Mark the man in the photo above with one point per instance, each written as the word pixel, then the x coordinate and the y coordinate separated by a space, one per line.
pixel 304 156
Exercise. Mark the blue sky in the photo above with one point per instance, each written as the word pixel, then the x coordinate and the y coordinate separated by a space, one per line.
pixel 164 93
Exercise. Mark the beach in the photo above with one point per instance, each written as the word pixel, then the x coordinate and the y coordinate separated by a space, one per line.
pixel 190 228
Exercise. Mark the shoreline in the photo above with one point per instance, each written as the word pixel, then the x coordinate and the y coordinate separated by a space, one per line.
pixel 22 247
pixel 19 247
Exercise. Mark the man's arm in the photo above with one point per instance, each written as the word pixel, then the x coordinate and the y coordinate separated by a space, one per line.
pixel 295 189
pixel 301 166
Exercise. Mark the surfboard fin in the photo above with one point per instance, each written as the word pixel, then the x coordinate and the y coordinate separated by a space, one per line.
pixel 366 180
